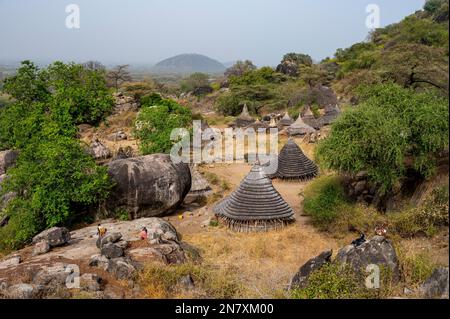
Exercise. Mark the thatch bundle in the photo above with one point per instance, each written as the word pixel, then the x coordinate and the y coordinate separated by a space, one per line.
pixel 255 206
pixel 299 127
pixel 244 119
pixel 293 163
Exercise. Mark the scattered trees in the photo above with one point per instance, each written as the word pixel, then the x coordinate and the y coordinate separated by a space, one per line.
pixel 240 68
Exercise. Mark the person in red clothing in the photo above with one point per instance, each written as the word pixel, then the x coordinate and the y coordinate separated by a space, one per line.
pixel 143 234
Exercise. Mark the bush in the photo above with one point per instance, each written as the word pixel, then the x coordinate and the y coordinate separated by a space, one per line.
pixel 415 269
pixel 425 219
pixel 392 124
pixel 325 203
pixel 333 281
pixel 155 122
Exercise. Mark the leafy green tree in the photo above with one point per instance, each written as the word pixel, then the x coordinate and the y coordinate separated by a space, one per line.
pixel 195 81
pixel 155 122
pixel 264 75
pixel 392 126
pixel 254 96
pixel 240 68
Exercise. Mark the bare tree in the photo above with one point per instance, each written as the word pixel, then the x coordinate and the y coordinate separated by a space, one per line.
pixel 94 66
pixel 119 75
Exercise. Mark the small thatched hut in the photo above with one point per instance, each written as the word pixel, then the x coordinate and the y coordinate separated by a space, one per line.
pixel 286 121
pixel 199 187
pixel 258 125
pixel 293 163
pixel 331 113
pixel 299 127
pixel 311 120
pixel 244 119
pixel 255 206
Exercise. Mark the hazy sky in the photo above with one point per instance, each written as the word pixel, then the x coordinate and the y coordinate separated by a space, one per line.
pixel 146 31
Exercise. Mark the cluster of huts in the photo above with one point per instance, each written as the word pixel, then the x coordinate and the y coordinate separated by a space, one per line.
pixel 305 124
pixel 256 205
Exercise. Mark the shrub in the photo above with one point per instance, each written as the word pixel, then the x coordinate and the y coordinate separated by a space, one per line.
pixel 155 122
pixel 415 269
pixel 389 126
pixel 425 219
pixel 333 281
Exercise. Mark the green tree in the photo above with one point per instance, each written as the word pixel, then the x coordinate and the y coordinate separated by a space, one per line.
pixel 155 122
pixel 195 81
pixel 391 125
pixel 240 68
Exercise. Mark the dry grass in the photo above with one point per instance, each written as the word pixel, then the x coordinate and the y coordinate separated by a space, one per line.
pixel 263 262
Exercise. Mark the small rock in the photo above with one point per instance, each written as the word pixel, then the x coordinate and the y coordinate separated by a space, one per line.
pixel 90 282
pixel 23 291
pixel 56 236
pixel 99 151
pixel 186 282
pixel 109 239
pixel 99 261
pixel 112 251
pixel 121 268
pixel 10 262
pixel 40 248
pixel 437 285
pixel 122 244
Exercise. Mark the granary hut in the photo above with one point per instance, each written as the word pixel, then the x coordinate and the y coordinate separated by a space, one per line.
pixel 258 125
pixel 255 205
pixel 293 163
pixel 299 127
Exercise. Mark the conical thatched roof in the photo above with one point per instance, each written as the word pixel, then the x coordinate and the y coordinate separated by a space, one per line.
pixel 259 125
pixel 199 184
pixel 255 206
pixel 244 119
pixel 331 113
pixel 299 127
pixel 285 121
pixel 293 163
pixel 309 118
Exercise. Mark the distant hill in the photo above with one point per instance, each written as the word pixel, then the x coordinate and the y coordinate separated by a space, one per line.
pixel 188 63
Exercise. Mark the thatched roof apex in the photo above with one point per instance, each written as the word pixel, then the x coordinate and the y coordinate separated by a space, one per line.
pixel 299 127
pixel 293 164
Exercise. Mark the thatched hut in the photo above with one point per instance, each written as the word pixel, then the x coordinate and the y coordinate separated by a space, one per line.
pixel 244 119
pixel 258 125
pixel 255 206
pixel 309 118
pixel 299 128
pixel 331 114
pixel 293 163
pixel 286 121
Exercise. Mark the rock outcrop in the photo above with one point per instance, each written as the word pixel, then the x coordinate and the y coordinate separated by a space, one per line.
pixel 300 279
pixel 55 236
pixel 377 251
pixel 437 285
pixel 149 185
pixel 99 151
pixel 7 159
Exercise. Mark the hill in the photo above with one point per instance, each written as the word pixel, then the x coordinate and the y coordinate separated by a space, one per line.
pixel 188 63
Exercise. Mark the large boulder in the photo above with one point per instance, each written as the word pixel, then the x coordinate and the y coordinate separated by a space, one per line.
pixel 377 251
pixel 300 279
pixel 7 159
pixel 148 186
pixel 55 236
pixel 112 251
pixel 437 285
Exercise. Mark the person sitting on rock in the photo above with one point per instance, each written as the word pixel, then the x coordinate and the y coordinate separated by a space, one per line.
pixel 101 231
pixel 143 234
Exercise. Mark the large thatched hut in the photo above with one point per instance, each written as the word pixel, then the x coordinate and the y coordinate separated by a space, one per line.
pixel 293 164
pixel 244 119
pixel 255 205
pixel 299 127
